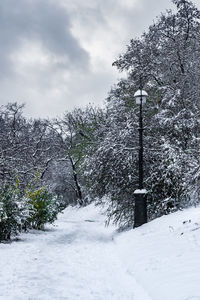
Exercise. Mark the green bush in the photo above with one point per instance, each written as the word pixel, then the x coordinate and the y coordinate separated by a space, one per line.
pixel 44 208
pixel 20 211
pixel 11 212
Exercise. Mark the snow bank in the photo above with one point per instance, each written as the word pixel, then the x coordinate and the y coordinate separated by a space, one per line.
pixel 164 255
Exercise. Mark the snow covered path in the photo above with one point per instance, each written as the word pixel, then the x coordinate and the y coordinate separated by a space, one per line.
pixel 76 259
pixel 80 259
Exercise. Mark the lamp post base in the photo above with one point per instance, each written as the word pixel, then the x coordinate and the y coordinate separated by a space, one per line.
pixel 140 216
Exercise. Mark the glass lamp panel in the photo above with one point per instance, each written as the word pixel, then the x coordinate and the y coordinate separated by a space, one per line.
pixel 138 99
pixel 140 94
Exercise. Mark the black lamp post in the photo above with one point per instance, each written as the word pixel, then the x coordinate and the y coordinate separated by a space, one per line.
pixel 140 216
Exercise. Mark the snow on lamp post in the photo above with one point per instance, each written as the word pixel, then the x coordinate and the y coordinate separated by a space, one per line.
pixel 140 216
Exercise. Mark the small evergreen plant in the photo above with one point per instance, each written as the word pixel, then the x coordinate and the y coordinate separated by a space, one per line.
pixel 44 208
pixel 10 212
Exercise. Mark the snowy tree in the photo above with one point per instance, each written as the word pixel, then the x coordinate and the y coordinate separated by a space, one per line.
pixel 165 62
pixel 77 132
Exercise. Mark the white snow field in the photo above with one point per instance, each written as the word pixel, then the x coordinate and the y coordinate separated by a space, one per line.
pixel 80 258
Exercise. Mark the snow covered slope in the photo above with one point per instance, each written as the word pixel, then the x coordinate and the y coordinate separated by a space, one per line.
pixel 81 259
pixel 164 255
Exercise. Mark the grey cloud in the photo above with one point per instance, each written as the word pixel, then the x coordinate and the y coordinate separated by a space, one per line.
pixel 142 17
pixel 51 88
pixel 42 20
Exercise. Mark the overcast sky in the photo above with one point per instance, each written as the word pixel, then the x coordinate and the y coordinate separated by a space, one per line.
pixel 57 54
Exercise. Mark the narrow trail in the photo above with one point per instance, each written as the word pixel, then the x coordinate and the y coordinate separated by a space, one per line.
pixel 76 259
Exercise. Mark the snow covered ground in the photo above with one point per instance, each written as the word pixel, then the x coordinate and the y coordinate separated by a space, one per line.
pixel 79 258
